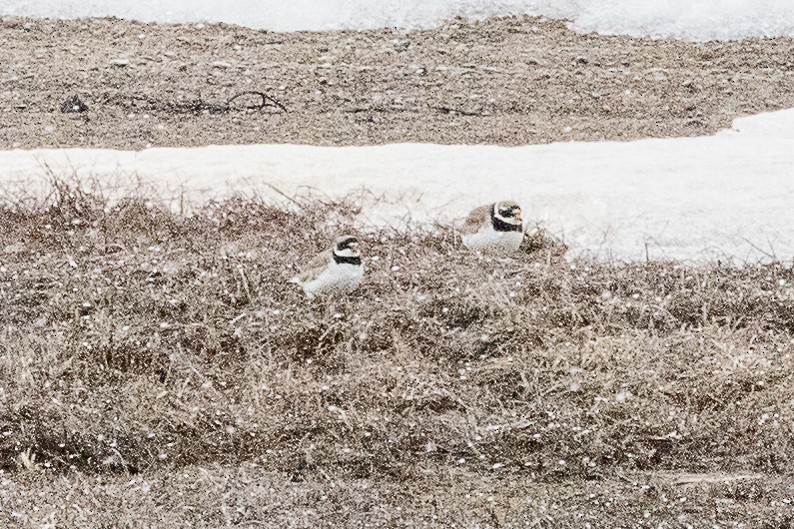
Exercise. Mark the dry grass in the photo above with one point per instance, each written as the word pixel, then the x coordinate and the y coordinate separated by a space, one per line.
pixel 158 371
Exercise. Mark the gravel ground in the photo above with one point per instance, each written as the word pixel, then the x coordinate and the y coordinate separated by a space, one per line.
pixel 506 81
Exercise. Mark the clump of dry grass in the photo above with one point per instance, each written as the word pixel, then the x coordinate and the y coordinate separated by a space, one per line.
pixel 136 342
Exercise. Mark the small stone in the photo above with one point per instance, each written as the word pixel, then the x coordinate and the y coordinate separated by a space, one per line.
pixel 221 64
pixel 120 62
pixel 14 248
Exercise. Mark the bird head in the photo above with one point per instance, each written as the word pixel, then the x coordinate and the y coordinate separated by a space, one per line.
pixel 347 246
pixel 508 211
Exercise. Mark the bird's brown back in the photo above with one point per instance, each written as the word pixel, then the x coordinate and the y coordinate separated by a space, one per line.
pixel 476 219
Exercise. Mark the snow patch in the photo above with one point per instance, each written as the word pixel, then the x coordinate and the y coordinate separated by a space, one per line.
pixel 718 197
pixel 697 20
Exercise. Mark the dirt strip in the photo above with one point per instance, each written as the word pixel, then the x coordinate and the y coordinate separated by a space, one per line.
pixel 505 81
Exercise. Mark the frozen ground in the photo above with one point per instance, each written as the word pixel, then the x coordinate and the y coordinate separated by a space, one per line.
pixel 692 20
pixel 706 198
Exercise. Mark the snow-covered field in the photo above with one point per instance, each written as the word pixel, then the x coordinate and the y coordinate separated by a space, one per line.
pixel 688 19
pixel 728 195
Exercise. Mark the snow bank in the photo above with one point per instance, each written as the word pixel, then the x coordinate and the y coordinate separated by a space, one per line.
pixel 687 19
pixel 695 20
pixel 728 195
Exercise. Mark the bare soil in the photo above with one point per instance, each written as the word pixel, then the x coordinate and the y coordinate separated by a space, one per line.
pixel 506 81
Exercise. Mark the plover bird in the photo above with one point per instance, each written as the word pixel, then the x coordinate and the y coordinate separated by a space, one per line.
pixel 336 270
pixel 494 227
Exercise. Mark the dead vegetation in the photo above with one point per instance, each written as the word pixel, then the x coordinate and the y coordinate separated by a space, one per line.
pixel 152 364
